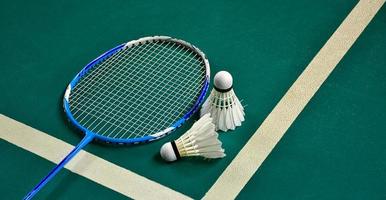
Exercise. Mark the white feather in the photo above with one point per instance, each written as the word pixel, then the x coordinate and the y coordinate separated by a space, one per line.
pixel 225 109
pixel 201 140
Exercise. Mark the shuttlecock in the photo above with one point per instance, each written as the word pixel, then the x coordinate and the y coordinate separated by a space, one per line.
pixel 200 140
pixel 223 104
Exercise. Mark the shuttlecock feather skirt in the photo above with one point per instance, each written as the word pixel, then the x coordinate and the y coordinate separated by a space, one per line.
pixel 225 109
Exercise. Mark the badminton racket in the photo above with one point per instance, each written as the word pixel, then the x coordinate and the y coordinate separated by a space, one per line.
pixel 134 93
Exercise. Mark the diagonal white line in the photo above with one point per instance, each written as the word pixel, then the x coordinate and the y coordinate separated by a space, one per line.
pixel 259 146
pixel 85 164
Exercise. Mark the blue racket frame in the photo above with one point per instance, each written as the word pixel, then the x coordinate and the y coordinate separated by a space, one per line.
pixel 89 135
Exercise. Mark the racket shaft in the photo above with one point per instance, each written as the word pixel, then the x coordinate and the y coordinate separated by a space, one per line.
pixel 87 139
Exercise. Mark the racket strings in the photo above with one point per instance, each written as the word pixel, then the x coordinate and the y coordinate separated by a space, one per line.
pixel 126 129
pixel 96 77
pixel 145 128
pixel 108 114
pixel 124 101
pixel 96 97
pixel 153 72
pixel 116 76
pixel 112 92
pixel 85 90
pixel 167 113
pixel 99 99
pixel 78 104
pixel 174 97
pixel 139 117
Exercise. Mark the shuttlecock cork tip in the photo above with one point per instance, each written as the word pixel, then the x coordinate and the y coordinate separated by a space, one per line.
pixel 169 152
pixel 223 81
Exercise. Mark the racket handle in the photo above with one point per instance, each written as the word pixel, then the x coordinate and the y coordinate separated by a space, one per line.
pixel 87 139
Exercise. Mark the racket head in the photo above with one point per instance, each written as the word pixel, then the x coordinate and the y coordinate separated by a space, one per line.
pixel 117 137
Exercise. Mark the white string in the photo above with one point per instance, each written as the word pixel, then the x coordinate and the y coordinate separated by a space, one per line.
pixel 102 83
pixel 114 62
pixel 99 70
pixel 165 114
pixel 103 86
pixel 113 92
pixel 127 81
pixel 126 129
pixel 150 110
pixel 143 97
pixel 111 109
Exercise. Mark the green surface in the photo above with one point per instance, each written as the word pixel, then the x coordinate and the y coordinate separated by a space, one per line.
pixel 334 150
pixel 336 147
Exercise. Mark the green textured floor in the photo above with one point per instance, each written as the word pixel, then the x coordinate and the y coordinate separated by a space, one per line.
pixel 334 150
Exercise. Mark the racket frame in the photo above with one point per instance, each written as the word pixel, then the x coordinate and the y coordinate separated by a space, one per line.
pixel 154 136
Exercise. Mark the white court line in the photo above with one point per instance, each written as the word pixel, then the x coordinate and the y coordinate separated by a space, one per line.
pixel 85 164
pixel 259 146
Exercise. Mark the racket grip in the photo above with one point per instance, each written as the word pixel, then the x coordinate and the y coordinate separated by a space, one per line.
pixel 87 139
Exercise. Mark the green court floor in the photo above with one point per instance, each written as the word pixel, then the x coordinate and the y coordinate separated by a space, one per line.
pixel 334 150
